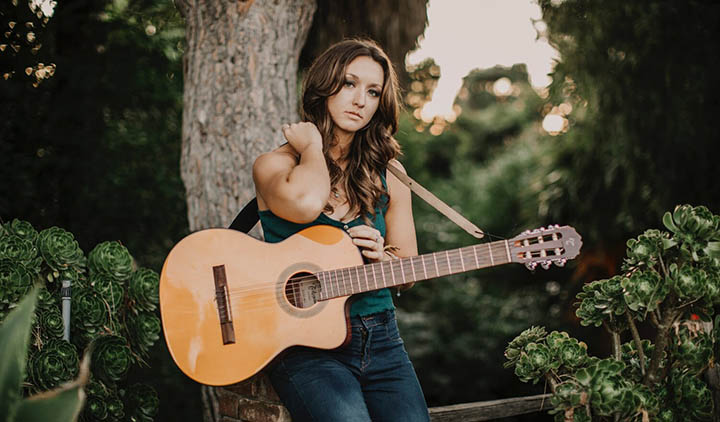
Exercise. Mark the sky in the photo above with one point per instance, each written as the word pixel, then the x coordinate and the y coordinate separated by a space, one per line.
pixel 463 35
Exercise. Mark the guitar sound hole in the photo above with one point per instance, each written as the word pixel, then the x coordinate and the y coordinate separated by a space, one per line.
pixel 302 290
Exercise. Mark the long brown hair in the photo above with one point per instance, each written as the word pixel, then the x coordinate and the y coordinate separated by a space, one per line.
pixel 373 146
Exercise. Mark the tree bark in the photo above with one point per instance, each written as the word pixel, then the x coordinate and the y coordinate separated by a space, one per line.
pixel 240 76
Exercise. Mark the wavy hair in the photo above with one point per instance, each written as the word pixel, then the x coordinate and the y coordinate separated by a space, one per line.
pixel 373 146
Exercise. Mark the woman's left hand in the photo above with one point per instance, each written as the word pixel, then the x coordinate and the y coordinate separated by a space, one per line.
pixel 370 242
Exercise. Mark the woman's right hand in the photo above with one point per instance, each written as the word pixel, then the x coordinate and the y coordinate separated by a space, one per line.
pixel 302 135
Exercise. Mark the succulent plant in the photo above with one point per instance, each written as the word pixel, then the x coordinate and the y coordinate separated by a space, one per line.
pixel 696 229
pixel 143 331
pixel 16 280
pixel 515 348
pixel 601 301
pixel 90 315
pixel 672 281
pixel 568 351
pixel 54 364
pixel 691 396
pixel 143 289
pixel 61 253
pixel 644 250
pixel 111 358
pixel 644 290
pixel 113 308
pixel 110 259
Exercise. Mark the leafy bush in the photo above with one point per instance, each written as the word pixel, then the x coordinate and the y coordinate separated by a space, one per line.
pixel 672 280
pixel 62 404
pixel 113 311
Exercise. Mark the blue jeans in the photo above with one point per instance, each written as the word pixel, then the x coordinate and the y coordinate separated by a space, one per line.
pixel 370 379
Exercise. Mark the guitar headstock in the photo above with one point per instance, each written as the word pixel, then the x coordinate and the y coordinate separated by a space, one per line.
pixel 545 246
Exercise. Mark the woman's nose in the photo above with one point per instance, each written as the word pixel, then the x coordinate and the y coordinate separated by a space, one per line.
pixel 359 99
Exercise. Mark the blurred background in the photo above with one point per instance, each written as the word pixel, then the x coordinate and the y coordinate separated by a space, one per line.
pixel 520 114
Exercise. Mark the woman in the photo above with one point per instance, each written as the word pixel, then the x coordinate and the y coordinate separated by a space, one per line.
pixel 333 171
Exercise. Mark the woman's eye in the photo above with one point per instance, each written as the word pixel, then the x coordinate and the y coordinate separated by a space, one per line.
pixel 349 83
pixel 374 93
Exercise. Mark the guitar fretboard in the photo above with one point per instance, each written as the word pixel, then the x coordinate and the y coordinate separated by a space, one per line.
pixel 364 278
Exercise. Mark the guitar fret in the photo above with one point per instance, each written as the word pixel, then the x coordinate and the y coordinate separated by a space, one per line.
pixel 462 261
pixel 507 248
pixel 374 277
pixel 424 270
pixel 492 261
pixel 402 271
pixel 382 273
pixel 412 268
pixel 341 283
pixel 349 279
pixel 447 257
pixel 345 282
pixel 357 275
pixel 335 285
pixel 437 269
pixel 367 282
pixel 322 284
pixel 392 272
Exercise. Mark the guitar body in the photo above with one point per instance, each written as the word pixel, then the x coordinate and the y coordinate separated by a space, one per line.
pixel 266 313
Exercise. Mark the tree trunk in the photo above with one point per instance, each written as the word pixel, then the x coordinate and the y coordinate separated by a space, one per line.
pixel 240 76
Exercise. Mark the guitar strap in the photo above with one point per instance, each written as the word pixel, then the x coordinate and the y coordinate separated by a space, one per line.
pixel 248 217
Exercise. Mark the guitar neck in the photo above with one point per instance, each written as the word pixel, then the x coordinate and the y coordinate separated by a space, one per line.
pixel 379 275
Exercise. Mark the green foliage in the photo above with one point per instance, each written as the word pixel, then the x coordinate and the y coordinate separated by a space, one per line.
pixel 671 279
pixel 643 124
pixel 62 404
pixel 456 329
pixel 118 327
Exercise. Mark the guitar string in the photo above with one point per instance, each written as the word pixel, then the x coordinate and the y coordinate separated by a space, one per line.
pixel 261 297
pixel 250 303
pixel 342 281
pixel 455 259
pixel 466 256
pixel 264 300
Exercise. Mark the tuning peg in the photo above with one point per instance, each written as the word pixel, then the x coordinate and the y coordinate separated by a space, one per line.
pixel 531 265
pixel 545 264
pixel 560 262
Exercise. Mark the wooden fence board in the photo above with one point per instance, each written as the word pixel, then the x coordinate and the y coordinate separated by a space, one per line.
pixel 490 410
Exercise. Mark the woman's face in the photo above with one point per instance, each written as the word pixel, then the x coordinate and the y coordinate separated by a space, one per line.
pixel 358 99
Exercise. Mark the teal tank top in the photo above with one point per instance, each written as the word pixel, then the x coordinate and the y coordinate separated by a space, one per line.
pixel 276 229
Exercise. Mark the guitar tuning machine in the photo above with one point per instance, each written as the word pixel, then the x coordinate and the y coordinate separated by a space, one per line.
pixel 560 262
pixel 545 264
pixel 531 265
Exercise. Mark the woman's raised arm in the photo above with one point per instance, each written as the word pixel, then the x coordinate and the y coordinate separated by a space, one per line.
pixel 295 190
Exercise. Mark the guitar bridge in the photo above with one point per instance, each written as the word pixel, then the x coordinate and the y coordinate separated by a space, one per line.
pixel 223 304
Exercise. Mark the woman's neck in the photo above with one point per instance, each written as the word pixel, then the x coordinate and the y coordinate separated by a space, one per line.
pixel 341 147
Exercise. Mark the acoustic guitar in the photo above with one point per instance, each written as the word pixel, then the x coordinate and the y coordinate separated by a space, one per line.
pixel 230 303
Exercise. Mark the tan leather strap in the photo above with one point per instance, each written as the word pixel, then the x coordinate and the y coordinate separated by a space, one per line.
pixel 436 203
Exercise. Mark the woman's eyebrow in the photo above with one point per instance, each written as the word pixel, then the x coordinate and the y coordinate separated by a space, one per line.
pixel 373 85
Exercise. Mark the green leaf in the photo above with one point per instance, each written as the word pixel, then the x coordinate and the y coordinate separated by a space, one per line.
pixel 60 405
pixel 669 223
pixel 14 339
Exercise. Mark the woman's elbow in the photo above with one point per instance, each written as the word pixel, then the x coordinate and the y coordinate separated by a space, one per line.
pixel 306 209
